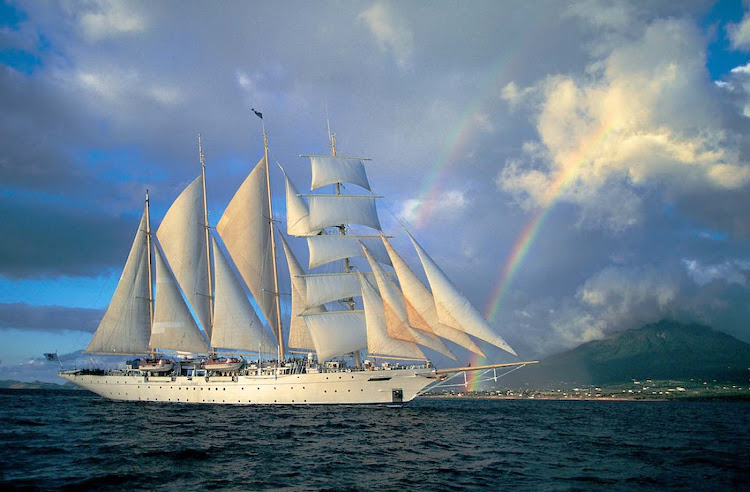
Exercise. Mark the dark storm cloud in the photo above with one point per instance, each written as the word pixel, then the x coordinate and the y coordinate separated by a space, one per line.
pixel 22 316
pixel 45 239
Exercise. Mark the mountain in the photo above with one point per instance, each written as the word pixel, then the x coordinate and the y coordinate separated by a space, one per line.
pixel 11 384
pixel 663 350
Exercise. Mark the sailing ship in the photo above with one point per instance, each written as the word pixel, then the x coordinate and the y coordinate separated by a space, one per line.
pixel 197 308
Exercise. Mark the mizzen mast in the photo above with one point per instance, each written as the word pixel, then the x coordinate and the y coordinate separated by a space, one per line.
pixel 206 225
pixel 278 329
pixel 150 267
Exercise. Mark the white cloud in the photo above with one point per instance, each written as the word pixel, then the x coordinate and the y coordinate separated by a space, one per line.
pixel 732 271
pixel 391 32
pixel 110 18
pixel 739 33
pixel 447 205
pixel 626 126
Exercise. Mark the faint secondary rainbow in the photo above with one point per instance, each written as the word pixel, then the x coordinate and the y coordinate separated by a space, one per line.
pixel 526 238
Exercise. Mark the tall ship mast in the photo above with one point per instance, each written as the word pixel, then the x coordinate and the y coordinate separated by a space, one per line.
pixel 201 333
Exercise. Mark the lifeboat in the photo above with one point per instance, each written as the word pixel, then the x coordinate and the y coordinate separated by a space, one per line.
pixel 228 364
pixel 155 365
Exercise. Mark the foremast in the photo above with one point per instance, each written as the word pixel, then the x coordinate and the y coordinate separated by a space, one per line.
pixel 342 230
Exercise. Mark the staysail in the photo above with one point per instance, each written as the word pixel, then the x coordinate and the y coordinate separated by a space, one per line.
pixel 378 341
pixel 182 236
pixel 236 326
pixel 125 327
pixel 299 335
pixel 244 228
pixel 396 319
pixel 174 327
pixel 420 305
pixel 453 309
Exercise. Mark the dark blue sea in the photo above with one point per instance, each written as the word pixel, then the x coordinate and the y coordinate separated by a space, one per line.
pixel 70 440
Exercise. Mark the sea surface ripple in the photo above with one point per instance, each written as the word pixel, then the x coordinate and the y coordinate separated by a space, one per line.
pixel 73 440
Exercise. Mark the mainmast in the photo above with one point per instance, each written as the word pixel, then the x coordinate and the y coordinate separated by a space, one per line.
pixel 209 328
pixel 148 255
pixel 279 331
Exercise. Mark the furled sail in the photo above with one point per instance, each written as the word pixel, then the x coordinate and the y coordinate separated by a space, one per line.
pixel 297 213
pixel 327 287
pixel 395 312
pixel 244 228
pixel 420 305
pixel 378 341
pixel 182 236
pixel 126 327
pixel 337 332
pixel 453 308
pixel 330 170
pixel 333 210
pixel 325 249
pixel 236 326
pixel 174 326
pixel 299 335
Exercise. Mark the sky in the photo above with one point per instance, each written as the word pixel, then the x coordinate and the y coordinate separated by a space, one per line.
pixel 576 168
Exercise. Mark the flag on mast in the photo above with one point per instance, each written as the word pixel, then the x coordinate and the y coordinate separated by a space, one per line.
pixel 257 113
pixel 51 357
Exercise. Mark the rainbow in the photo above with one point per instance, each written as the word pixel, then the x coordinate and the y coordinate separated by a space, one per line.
pixel 568 173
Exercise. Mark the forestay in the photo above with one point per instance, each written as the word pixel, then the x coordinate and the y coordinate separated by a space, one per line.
pixel 126 326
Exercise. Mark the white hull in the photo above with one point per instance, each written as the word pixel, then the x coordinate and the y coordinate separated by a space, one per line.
pixel 357 387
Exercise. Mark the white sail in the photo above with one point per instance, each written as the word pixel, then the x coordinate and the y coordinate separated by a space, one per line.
pixel 297 213
pixel 325 249
pixel 174 326
pixel 453 308
pixel 333 210
pixel 330 170
pixel 420 305
pixel 327 287
pixel 378 341
pixel 126 327
pixel 244 228
pixel 182 236
pixel 337 332
pixel 396 319
pixel 299 335
pixel 236 326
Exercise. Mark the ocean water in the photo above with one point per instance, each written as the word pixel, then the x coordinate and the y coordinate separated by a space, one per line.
pixel 54 440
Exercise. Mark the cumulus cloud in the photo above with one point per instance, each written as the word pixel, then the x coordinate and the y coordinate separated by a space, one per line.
pixel 626 127
pixel 391 32
pixel 739 33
